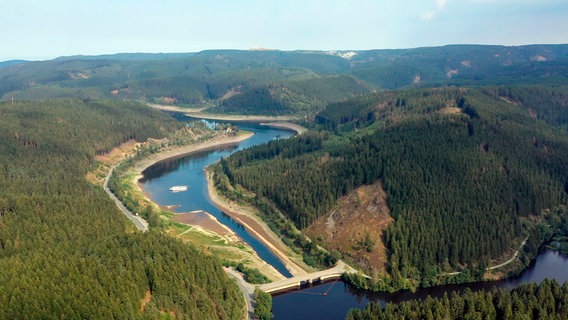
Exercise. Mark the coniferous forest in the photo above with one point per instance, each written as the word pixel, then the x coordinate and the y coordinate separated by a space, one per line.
pixel 470 169
pixel 549 300
pixel 66 251
pixel 468 173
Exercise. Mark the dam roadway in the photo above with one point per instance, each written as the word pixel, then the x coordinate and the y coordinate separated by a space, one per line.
pixel 297 281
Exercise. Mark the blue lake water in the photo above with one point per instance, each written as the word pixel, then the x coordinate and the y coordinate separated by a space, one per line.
pixel 189 170
pixel 308 303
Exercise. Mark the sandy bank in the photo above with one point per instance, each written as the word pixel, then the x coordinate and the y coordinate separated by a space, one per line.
pixel 206 222
pixel 250 221
pixel 198 113
pixel 175 108
pixel 272 121
pixel 202 220
pixel 255 226
pixel 189 149
pixel 237 118
pixel 286 125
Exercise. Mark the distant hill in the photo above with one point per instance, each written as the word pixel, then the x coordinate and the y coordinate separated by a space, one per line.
pixel 219 76
pixel 139 56
pixel 461 64
pixel 181 79
pixel 10 63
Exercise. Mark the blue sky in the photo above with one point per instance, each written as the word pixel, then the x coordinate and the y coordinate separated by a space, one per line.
pixel 50 28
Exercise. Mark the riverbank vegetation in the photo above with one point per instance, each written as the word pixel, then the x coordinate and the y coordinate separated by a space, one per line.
pixel 250 275
pixel 549 300
pixel 66 251
pixel 557 230
pixel 263 305
pixel 123 181
pixel 211 237
pixel 468 174
pixel 312 255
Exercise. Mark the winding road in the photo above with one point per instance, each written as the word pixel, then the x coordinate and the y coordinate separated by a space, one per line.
pixel 515 255
pixel 246 288
pixel 140 223
pixel 512 258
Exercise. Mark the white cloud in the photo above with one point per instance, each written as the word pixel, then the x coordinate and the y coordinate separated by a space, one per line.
pixel 430 14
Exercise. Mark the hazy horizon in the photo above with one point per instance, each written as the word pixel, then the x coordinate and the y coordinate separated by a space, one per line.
pixel 43 31
pixel 272 49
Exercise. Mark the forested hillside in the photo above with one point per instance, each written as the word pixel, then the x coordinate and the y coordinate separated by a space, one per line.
pixel 462 65
pixel 188 79
pixel 10 63
pixel 467 172
pixel 66 252
pixel 548 300
pixel 284 82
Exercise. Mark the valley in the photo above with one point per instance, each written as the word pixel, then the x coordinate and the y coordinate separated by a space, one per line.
pixel 418 167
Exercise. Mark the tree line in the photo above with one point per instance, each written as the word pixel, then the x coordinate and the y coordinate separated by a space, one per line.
pixel 466 173
pixel 549 300
pixel 65 249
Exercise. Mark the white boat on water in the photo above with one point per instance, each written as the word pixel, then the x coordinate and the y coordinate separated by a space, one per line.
pixel 178 188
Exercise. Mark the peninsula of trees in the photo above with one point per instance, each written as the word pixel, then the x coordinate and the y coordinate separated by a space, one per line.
pixel 468 174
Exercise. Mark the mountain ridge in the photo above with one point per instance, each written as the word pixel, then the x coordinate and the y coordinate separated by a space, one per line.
pixel 208 76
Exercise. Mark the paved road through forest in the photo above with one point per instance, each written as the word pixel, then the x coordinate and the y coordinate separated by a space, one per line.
pixel 140 223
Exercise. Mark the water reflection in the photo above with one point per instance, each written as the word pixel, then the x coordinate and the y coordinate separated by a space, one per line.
pixel 310 303
pixel 170 165
pixel 189 170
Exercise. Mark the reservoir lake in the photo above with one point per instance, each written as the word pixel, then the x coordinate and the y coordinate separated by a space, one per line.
pixel 329 300
pixel 189 170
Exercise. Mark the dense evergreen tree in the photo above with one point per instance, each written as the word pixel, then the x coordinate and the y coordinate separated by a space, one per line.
pixel 548 300
pixel 257 101
pixel 65 249
pixel 462 169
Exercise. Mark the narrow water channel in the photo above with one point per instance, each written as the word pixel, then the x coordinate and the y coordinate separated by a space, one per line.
pixel 308 303
pixel 189 171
